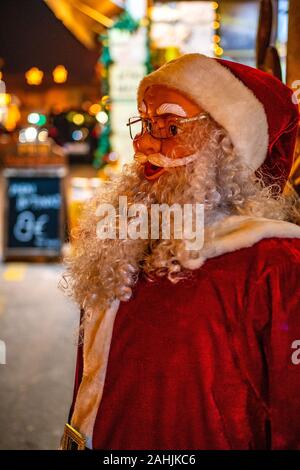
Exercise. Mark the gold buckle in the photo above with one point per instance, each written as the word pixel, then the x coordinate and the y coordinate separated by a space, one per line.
pixel 72 439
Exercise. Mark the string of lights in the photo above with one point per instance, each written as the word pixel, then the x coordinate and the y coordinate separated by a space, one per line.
pixel 218 50
pixel 34 76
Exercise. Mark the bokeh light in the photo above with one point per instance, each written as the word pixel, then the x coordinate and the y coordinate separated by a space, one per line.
pixel 78 119
pixel 102 117
pixel 30 134
pixel 77 135
pixel 60 74
pixel 34 76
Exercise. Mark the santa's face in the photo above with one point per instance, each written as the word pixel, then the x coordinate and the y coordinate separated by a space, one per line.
pixel 166 131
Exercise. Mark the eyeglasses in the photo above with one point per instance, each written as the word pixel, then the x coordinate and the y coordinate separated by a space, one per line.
pixel 160 127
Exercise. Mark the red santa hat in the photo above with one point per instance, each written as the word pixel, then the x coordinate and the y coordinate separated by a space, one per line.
pixel 254 107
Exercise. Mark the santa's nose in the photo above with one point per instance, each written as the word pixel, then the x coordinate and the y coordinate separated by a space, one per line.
pixel 147 144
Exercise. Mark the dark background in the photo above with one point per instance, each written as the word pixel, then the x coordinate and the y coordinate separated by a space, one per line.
pixel 31 36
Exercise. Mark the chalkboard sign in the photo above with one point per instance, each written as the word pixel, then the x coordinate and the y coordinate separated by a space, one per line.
pixel 33 218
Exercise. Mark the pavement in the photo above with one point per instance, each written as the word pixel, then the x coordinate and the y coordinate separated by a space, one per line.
pixel 39 328
pixel 38 325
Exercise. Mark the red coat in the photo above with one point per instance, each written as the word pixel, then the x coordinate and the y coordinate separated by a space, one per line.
pixel 207 363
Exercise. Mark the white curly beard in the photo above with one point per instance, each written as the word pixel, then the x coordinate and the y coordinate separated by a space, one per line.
pixel 101 270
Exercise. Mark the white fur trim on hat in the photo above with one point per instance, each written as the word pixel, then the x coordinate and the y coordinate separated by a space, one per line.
pixel 230 103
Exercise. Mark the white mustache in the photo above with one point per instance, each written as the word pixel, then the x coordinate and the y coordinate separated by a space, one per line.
pixel 158 159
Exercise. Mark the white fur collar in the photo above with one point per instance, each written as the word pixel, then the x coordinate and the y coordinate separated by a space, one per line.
pixel 234 232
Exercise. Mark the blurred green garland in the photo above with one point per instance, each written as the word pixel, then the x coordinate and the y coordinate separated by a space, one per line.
pixel 124 23
pixel 104 145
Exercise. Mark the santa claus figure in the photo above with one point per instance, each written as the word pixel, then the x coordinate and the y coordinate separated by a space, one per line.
pixel 195 349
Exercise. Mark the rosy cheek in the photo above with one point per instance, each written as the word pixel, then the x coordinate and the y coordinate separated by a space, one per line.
pixel 135 144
